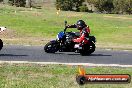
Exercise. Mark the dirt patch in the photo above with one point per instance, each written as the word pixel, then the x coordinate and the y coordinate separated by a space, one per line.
pixel 8 33
pixel 12 37
pixel 75 15
pixel 25 41
pixel 129 26
pixel 72 14
pixel 119 17
pixel 34 13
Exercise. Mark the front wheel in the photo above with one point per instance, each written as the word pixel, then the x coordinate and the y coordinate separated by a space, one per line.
pixel 1 44
pixel 51 47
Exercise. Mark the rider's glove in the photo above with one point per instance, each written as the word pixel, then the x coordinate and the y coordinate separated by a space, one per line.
pixel 67 26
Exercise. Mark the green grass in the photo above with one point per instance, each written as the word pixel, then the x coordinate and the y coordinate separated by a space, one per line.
pixel 44 23
pixel 53 76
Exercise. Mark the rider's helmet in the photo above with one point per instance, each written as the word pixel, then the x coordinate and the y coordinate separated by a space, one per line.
pixel 80 24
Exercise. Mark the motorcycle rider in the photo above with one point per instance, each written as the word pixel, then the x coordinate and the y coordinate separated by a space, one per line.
pixel 84 31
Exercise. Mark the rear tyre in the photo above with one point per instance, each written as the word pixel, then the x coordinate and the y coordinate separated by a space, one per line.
pixel 92 48
pixel 88 51
pixel 51 47
pixel 1 44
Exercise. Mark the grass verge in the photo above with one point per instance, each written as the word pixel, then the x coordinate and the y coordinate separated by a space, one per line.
pixel 26 25
pixel 53 76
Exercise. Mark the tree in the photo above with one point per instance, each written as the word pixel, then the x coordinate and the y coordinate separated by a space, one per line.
pixel 68 4
pixel 77 4
pixel 108 6
pixel 18 3
pixel 104 5
pixel 64 4
pixel 119 6
pixel 1 0
pixel 92 1
pixel 99 5
pixel 28 3
pixel 83 8
pixel 128 6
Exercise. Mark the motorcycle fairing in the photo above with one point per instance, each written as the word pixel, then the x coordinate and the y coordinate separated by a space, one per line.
pixel 53 41
pixel 61 35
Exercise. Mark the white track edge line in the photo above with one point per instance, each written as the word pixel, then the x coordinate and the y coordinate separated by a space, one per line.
pixel 84 64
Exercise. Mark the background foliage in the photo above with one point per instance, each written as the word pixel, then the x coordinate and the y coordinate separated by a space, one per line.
pixel 101 6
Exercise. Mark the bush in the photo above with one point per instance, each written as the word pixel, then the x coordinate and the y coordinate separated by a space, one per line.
pixel 83 8
pixel 64 5
pixel 18 3
pixel 1 0
pixel 104 5
pixel 68 4
pixel 113 6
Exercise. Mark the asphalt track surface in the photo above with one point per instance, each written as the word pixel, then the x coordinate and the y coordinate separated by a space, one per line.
pixel 37 54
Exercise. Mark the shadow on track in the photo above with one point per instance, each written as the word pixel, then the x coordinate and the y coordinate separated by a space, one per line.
pixel 100 55
pixel 12 55
pixel 80 55
pixel 91 55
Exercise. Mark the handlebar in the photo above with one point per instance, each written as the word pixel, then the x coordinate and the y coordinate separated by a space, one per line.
pixel 65 29
pixel 65 23
pixel 65 26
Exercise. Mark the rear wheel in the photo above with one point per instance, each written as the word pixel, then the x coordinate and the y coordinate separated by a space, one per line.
pixel 51 47
pixel 1 44
pixel 92 48
pixel 87 51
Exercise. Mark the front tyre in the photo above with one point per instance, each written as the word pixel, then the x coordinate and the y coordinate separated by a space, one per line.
pixel 51 47
pixel 1 44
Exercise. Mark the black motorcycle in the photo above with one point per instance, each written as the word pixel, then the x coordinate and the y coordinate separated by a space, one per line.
pixel 64 43
pixel 1 44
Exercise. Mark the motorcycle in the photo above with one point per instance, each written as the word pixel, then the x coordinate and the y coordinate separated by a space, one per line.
pixel 1 42
pixel 64 43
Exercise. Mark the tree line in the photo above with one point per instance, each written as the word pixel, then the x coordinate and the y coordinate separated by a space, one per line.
pixel 101 6
pixel 24 3
pixel 69 4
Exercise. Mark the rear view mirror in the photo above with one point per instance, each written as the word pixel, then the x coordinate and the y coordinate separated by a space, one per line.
pixel 65 22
